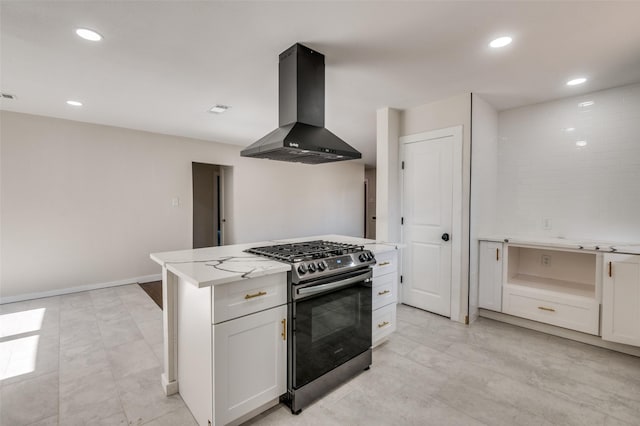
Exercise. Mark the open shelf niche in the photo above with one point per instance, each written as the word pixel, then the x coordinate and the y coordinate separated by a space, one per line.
pixel 551 270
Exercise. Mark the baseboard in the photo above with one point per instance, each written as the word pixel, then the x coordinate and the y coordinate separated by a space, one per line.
pixel 87 287
pixel 560 332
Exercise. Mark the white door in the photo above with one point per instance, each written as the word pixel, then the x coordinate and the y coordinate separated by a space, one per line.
pixel 431 212
pixel 621 299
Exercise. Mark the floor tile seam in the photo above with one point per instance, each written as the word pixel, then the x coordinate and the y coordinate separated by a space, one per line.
pixel 434 397
pixel 115 381
pixel 150 345
pixel 508 377
pixel 577 379
pixel 421 342
pixel 551 339
pixel 567 401
pixel 499 402
pixel 493 368
pixel 552 356
pixel 163 415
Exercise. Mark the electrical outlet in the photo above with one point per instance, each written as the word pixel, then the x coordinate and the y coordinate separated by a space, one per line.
pixel 546 260
pixel 175 202
pixel 546 223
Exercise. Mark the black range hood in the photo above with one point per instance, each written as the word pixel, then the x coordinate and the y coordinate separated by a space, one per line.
pixel 301 137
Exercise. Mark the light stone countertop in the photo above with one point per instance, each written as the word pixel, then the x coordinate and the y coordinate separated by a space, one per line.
pixel 589 245
pixel 224 264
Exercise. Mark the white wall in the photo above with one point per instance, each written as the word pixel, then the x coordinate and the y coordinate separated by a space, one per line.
pixel 484 177
pixel 84 205
pixel 590 192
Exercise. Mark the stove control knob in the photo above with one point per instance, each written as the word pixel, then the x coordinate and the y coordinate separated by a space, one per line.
pixel 302 269
pixel 363 257
pixel 322 265
pixel 369 256
pixel 311 267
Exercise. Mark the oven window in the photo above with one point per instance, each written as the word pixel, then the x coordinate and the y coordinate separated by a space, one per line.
pixel 330 329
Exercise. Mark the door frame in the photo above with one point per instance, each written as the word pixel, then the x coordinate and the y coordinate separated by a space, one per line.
pixel 457 219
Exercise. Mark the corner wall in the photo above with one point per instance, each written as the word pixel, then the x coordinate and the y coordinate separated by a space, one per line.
pixel 83 205
pixel 393 124
pixel 484 180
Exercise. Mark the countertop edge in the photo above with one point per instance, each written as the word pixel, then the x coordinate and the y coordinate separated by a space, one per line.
pixel 586 245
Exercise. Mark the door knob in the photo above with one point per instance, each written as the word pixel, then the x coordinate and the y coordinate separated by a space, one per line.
pixel 445 237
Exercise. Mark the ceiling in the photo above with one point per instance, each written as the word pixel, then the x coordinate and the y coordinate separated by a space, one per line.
pixel 162 65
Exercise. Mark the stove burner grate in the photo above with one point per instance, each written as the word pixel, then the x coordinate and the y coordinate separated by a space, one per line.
pixel 297 252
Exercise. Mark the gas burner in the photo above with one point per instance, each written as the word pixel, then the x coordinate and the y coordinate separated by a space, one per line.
pixel 312 260
pixel 308 250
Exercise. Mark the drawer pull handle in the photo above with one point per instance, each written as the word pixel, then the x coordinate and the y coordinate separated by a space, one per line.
pixel 609 268
pixel 284 329
pixel 383 324
pixel 382 293
pixel 497 254
pixel 546 309
pixel 258 294
pixel 383 263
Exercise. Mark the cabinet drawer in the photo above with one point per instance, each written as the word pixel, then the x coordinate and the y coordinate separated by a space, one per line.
pixel 383 323
pixel 385 290
pixel 386 263
pixel 245 297
pixel 580 314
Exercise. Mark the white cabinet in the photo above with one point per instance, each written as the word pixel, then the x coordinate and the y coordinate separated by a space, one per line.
pixel 250 363
pixel 554 286
pixel 384 296
pixel 490 276
pixel 621 299
pixel 232 351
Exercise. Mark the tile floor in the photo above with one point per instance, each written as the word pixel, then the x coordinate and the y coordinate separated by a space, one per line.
pixel 97 362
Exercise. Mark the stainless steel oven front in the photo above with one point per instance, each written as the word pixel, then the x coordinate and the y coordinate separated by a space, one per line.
pixel 330 325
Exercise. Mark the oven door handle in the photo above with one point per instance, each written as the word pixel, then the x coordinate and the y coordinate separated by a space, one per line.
pixel 323 288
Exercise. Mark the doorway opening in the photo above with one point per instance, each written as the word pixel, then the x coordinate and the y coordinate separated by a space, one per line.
pixel 208 204
pixel 370 203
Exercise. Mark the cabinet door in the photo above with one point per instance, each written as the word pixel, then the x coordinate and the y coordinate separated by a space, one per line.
pixel 621 299
pixel 490 276
pixel 250 363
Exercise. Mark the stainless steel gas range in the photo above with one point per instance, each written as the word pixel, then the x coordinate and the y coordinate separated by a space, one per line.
pixel 329 310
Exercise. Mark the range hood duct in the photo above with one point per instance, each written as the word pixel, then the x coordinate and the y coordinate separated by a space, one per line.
pixel 301 137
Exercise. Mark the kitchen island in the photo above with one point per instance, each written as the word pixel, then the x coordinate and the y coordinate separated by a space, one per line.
pixel 225 325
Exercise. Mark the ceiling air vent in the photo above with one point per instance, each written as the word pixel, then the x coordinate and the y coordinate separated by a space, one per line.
pixel 7 96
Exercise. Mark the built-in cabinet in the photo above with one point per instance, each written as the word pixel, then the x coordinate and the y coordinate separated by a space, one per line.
pixel 385 296
pixel 490 276
pixel 250 363
pixel 553 286
pixel 234 366
pixel 574 288
pixel 250 346
pixel 621 299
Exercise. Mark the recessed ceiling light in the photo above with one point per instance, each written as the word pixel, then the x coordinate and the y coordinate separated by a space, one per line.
pixel 586 104
pixel 88 34
pixel 569 129
pixel 219 109
pixel 74 103
pixel 501 42
pixel 576 81
pixel 581 143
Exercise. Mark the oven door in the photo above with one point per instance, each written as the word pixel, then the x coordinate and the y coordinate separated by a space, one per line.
pixel 331 324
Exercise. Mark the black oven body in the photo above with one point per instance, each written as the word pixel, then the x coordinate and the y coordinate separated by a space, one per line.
pixel 330 329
